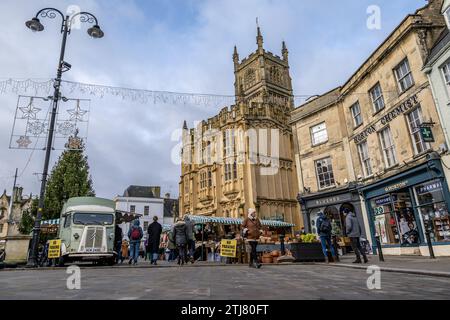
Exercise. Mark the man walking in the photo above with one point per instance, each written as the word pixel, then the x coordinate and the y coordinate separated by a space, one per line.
pixel 324 228
pixel 353 229
pixel 252 231
pixel 190 237
pixel 135 235
pixel 154 236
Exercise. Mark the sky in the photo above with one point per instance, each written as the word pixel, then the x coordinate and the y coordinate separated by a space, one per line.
pixel 176 46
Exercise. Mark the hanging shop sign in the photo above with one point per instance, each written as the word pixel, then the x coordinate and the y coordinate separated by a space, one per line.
pixel 400 109
pixel 427 134
pixel 54 249
pixel 228 248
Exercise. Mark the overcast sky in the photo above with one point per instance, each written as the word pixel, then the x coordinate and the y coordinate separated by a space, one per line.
pixel 176 45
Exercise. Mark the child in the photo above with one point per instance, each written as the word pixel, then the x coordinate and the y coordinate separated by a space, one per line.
pixel 124 250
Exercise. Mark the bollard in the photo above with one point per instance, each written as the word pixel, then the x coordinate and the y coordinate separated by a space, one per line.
pixel 430 245
pixel 335 246
pixel 380 252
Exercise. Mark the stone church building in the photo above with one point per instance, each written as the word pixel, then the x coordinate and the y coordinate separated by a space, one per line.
pixel 244 157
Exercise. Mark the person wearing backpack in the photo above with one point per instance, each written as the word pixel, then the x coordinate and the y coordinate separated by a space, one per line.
pixel 353 229
pixel 135 235
pixel 181 239
pixel 324 228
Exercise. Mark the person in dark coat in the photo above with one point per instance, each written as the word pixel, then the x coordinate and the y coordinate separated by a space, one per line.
pixel 190 236
pixel 154 236
pixel 118 235
pixel 324 229
pixel 181 239
pixel 353 229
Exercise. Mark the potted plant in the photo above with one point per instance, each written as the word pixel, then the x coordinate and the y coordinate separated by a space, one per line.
pixel 308 249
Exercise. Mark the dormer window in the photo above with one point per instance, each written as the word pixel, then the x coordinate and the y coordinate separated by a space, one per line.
pixel 447 16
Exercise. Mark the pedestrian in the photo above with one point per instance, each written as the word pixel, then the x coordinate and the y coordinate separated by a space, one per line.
pixel 324 228
pixel 124 250
pixel 252 231
pixel 181 239
pixel 135 235
pixel 190 236
pixel 171 245
pixel 146 249
pixel 118 235
pixel 154 236
pixel 353 229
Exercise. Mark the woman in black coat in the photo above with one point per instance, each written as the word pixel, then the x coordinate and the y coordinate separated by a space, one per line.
pixel 154 236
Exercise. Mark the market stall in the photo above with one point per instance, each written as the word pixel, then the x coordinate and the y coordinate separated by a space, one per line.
pixel 211 230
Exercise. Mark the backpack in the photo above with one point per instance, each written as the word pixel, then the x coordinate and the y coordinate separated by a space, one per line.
pixel 325 227
pixel 135 234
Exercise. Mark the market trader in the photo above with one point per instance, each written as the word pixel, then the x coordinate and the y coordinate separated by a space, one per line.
pixel 252 231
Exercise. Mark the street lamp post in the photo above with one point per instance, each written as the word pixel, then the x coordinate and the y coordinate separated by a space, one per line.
pixel 35 25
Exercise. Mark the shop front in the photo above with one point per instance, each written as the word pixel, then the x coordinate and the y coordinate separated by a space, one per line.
pixel 332 203
pixel 404 207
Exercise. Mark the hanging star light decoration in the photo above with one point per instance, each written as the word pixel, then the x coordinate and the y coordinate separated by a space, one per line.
pixel 77 113
pixel 29 112
pixel 23 142
pixel 36 128
pixel 66 128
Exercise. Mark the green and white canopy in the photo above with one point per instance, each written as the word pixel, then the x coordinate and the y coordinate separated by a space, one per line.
pixel 223 220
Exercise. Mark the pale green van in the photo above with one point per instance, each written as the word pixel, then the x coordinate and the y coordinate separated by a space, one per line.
pixel 86 230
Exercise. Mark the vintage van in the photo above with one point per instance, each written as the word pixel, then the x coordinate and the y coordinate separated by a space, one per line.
pixel 86 230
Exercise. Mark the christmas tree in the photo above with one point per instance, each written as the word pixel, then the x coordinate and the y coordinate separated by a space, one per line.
pixel 69 178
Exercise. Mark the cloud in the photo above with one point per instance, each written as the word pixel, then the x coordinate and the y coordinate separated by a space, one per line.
pixel 175 46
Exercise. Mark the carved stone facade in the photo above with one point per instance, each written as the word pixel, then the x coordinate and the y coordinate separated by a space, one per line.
pixel 243 157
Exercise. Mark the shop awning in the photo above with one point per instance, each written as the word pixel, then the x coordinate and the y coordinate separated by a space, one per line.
pixel 238 221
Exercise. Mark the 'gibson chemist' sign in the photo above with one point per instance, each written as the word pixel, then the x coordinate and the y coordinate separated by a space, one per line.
pixel 402 108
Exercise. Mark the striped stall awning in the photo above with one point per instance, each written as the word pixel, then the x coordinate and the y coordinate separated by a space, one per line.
pixel 50 222
pixel 223 220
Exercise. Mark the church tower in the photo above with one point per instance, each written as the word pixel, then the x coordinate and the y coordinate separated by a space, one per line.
pixel 263 77
pixel 249 145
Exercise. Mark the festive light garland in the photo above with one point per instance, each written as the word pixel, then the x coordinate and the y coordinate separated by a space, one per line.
pixel 25 85
pixel 138 95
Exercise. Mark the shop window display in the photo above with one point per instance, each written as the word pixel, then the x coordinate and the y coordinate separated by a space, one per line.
pixel 434 211
pixel 394 219
pixel 385 223
pixel 405 218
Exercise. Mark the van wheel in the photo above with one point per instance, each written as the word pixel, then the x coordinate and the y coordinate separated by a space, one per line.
pixel 111 261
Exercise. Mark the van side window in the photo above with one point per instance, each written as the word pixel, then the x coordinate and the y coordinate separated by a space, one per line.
pixel 68 220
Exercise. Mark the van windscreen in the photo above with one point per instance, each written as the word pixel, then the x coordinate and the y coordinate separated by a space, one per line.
pixel 93 218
